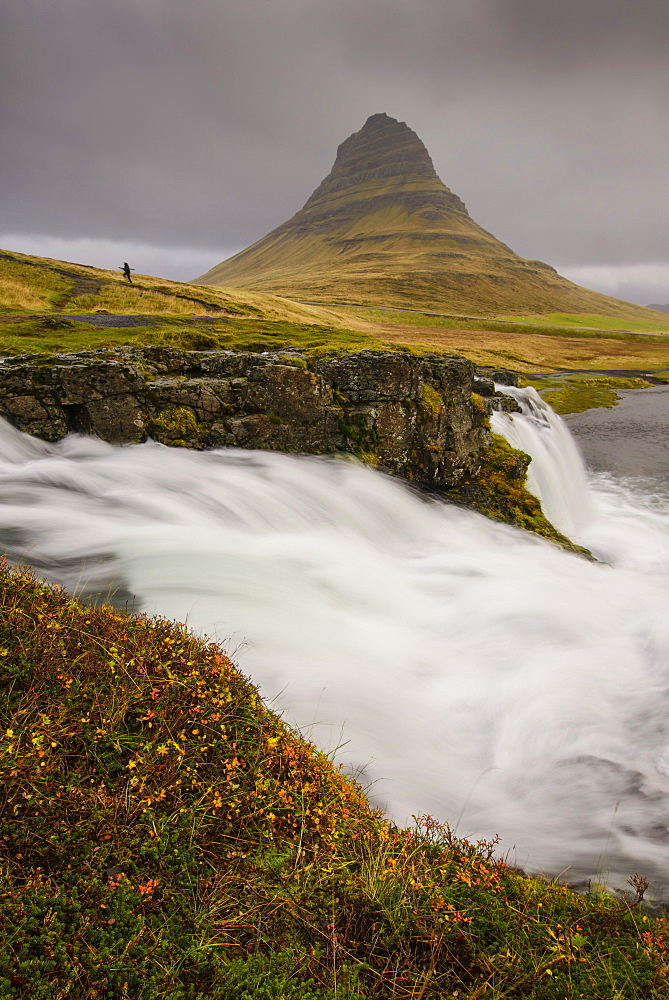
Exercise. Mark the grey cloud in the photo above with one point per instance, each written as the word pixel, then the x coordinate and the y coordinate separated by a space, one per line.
pixel 640 283
pixel 204 125
pixel 167 262
pixel 581 25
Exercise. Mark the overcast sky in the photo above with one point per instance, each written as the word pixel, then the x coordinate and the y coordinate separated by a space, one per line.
pixel 171 133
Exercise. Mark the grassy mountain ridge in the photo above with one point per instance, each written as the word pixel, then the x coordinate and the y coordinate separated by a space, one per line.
pixel 50 306
pixel 383 228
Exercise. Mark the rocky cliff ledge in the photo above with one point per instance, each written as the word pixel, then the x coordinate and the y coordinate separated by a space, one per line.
pixel 416 415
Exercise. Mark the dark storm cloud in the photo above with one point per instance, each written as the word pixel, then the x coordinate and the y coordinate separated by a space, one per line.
pixel 203 125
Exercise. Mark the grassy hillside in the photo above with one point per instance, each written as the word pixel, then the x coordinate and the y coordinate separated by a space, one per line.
pixel 524 345
pixel 49 306
pixel 52 306
pixel 383 228
pixel 39 284
pixel 164 835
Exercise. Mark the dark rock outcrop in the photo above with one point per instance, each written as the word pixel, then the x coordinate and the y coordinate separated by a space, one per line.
pixel 415 415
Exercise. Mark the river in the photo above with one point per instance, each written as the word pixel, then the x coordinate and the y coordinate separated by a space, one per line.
pixel 458 666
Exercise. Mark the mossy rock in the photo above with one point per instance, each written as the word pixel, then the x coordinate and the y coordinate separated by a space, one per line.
pixel 498 490
pixel 431 404
pixel 359 430
pixel 178 426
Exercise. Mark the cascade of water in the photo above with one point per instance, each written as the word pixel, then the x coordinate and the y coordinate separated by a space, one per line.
pixel 557 474
pixel 473 671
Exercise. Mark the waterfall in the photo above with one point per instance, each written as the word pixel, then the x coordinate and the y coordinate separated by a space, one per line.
pixel 464 668
pixel 557 474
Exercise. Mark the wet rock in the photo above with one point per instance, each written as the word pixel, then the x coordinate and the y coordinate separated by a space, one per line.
pixel 500 375
pixel 414 415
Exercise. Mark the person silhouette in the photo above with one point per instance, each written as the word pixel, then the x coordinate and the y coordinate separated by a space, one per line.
pixel 126 270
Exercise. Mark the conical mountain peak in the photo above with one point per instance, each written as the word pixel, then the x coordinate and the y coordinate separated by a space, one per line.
pixel 385 156
pixel 383 229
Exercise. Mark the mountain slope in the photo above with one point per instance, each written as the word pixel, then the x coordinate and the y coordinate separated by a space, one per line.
pixel 383 228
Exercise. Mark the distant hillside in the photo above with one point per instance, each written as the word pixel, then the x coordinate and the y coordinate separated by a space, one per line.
pixel 382 228
pixel 658 308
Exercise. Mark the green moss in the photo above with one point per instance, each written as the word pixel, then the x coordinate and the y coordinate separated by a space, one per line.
pixel 575 393
pixel 498 490
pixel 430 404
pixel 477 402
pixel 577 400
pixel 368 458
pixel 292 361
pixel 179 427
pixel 361 435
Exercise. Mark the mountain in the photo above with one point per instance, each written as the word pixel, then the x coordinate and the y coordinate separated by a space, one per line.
pixel 658 308
pixel 382 228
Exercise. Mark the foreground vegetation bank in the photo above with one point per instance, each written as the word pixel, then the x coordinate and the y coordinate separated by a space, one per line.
pixel 164 835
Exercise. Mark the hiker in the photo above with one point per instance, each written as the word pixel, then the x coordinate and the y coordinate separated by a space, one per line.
pixel 126 270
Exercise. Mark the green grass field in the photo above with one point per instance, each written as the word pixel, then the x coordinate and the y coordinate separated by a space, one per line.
pixel 50 335
pixel 598 322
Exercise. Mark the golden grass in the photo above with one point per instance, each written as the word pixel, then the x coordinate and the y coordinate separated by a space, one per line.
pixel 29 283
pixel 15 294
pixel 532 350
pixel 24 287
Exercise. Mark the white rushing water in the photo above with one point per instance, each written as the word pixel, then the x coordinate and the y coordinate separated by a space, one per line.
pixel 472 671
pixel 556 474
